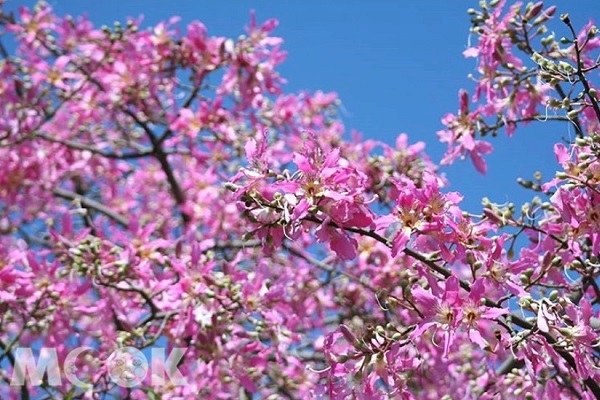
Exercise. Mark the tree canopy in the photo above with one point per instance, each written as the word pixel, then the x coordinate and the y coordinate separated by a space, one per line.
pixel 160 189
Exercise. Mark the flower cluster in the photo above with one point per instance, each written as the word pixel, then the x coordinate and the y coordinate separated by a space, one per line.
pixel 141 207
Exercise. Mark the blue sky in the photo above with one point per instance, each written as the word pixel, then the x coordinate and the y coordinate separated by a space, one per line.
pixel 396 65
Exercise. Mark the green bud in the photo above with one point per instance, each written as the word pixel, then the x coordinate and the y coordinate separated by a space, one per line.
pixel 546 76
pixel 525 302
pixel 231 186
pixel 548 39
pixel 528 272
pixel 565 66
pixel 573 114
pixel 396 337
pixel 565 40
pixel 524 183
pixel 470 257
pixel 247 236
pixel 342 358
pixel 553 103
pixel 75 251
pixel 562 175
pixel 511 253
pixel 537 57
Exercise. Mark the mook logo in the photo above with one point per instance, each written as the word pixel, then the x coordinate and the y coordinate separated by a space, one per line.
pixel 126 367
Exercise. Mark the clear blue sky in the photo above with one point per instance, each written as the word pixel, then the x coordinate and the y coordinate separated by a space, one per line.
pixel 396 65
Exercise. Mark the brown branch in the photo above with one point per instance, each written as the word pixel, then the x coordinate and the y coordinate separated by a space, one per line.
pixel 590 383
pixel 324 267
pixel 11 358
pixel 579 72
pixel 168 132
pixel 93 204
pixel 84 147
pixel 161 156
pixel 561 92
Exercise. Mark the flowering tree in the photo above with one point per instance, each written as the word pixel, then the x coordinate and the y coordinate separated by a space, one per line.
pixel 158 188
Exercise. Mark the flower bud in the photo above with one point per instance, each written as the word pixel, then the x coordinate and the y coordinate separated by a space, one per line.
pixel 562 175
pixel 565 66
pixel 342 358
pixel 546 76
pixel 550 11
pixel 470 257
pixel 231 186
pixel 572 114
pixel 247 236
pixel 526 184
pixel 348 335
pixel 565 40
pixel 533 10
pixel 536 57
pixel 525 302
pixel 396 337
pixel 542 30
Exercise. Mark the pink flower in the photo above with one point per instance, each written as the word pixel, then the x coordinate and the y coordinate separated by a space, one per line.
pixel 460 136
pixel 443 312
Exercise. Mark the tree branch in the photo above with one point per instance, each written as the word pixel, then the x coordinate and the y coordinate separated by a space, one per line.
pixel 161 156
pixel 93 204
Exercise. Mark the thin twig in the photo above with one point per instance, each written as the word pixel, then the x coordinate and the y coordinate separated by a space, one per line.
pixel 93 204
